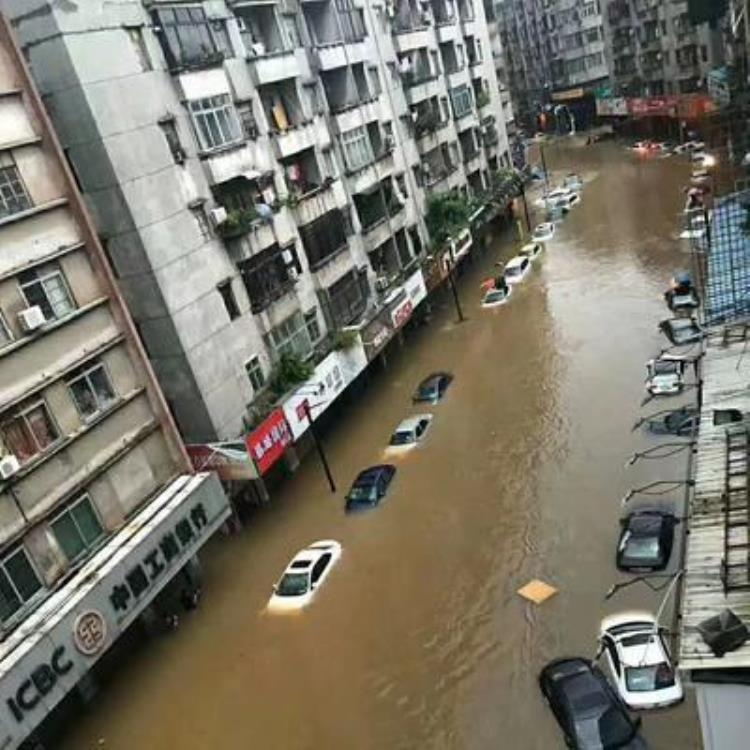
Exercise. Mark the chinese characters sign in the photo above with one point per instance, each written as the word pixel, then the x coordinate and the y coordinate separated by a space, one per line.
pixel 267 443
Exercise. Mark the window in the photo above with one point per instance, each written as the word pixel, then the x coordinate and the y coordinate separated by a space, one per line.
pixel 91 389
pixel 215 121
pixel 28 430
pixel 290 337
pixel 18 582
pixel 188 39
pixel 313 327
pixel 46 286
pixel 351 20
pixel 462 102
pixel 247 119
pixel 254 371
pixel 324 237
pixel 5 335
pixel 77 529
pixel 13 195
pixel 347 298
pixel 169 128
pixel 230 303
pixel 357 149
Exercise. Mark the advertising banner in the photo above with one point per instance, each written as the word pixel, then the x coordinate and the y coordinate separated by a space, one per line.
pixel 266 444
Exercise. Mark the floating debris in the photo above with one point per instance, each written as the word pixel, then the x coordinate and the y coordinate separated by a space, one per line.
pixel 537 591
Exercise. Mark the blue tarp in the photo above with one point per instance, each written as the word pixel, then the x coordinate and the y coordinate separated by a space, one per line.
pixel 728 278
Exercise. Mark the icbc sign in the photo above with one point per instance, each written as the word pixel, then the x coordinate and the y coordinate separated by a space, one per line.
pixel 267 443
pixel 39 683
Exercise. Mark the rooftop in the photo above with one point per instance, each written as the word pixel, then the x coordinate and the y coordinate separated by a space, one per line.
pixel 717 573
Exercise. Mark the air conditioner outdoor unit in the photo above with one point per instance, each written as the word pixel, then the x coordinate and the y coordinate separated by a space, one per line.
pixel 9 465
pixel 218 215
pixel 381 283
pixel 287 256
pixel 31 318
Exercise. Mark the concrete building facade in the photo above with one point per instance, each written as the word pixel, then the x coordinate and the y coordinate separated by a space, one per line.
pixel 88 447
pixel 655 49
pixel 258 170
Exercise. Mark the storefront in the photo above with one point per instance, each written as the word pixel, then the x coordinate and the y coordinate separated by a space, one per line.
pixel 62 640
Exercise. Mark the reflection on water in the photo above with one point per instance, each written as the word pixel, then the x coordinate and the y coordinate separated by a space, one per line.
pixel 418 638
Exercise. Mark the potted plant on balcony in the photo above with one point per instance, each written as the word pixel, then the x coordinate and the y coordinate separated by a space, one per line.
pixel 483 99
pixel 238 221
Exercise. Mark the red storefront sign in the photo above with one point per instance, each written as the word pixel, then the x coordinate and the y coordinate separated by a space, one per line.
pixel 266 444
pixel 402 313
pixel 665 106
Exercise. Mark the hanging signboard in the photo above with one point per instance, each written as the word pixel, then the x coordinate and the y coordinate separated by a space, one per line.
pixel 229 460
pixel 267 443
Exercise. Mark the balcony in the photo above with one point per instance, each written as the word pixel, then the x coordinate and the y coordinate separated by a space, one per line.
pixel 270 56
pixel 331 27
pixel 318 201
pixel 325 238
pixel 339 54
pixel 269 276
pixel 443 12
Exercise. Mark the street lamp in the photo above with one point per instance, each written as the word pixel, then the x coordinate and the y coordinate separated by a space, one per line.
pixel 317 390
pixel 649 489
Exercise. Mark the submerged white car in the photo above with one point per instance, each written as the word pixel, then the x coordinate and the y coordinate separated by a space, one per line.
pixel 516 269
pixel 497 297
pixel 543 232
pixel 409 433
pixel 304 576
pixel 639 661
pixel 665 376
pixel 531 250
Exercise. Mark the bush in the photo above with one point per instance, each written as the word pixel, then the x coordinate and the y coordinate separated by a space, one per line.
pixel 289 371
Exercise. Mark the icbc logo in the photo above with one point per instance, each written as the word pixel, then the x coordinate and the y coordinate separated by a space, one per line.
pixel 41 681
pixel 89 632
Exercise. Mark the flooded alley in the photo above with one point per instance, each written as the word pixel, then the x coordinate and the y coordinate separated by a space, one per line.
pixel 418 639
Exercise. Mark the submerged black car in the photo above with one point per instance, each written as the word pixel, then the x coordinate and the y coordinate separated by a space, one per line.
pixel 432 388
pixel 370 487
pixel 681 331
pixel 646 540
pixel 588 710
pixel 679 422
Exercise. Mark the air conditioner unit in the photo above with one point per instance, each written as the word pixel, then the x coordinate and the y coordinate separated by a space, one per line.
pixel 31 318
pixel 218 215
pixel 381 283
pixel 9 465
pixel 287 256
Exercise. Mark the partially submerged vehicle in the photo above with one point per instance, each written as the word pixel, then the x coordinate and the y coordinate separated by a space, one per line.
pixel 495 297
pixel 639 661
pixel 681 331
pixel 682 297
pixel 665 375
pixel 543 232
pixel 516 269
pixel 681 422
pixel 531 250
pixel 646 540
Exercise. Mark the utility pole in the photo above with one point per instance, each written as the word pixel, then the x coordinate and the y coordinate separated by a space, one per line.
pixel 525 209
pixel 319 448
pixel 452 283
pixel 544 167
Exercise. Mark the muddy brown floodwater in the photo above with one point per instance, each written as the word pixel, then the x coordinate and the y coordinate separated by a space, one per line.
pixel 418 639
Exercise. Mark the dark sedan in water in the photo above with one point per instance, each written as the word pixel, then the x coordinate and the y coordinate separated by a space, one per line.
pixel 370 487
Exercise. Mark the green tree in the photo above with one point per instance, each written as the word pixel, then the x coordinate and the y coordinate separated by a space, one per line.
pixel 447 214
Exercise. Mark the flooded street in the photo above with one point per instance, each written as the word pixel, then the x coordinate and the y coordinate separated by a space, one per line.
pixel 418 639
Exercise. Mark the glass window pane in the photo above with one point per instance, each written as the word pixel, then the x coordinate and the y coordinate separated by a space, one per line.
pixel 18 567
pixel 18 440
pixel 67 534
pixel 87 522
pixel 84 397
pixel 9 601
pixel 58 296
pixel 102 387
pixel 35 295
pixel 41 426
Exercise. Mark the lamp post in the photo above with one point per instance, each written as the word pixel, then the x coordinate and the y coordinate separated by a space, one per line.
pixel 454 290
pixel 319 446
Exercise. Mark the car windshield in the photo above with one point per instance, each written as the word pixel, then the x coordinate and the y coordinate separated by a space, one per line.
pixel 402 437
pixel 293 584
pixel 641 547
pixel 362 493
pixel 665 367
pixel 427 390
pixel 647 678
pixel 495 296
pixel 512 270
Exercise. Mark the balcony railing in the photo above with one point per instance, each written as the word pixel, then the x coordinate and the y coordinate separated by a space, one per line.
pixel 421 74
pixel 269 295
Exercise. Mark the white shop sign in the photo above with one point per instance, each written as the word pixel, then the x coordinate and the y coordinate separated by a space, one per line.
pixel 46 656
pixel 415 287
pixel 326 384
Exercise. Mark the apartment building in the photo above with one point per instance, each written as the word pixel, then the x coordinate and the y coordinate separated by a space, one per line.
pixel 99 510
pixel 555 55
pixel 258 170
pixel 656 48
